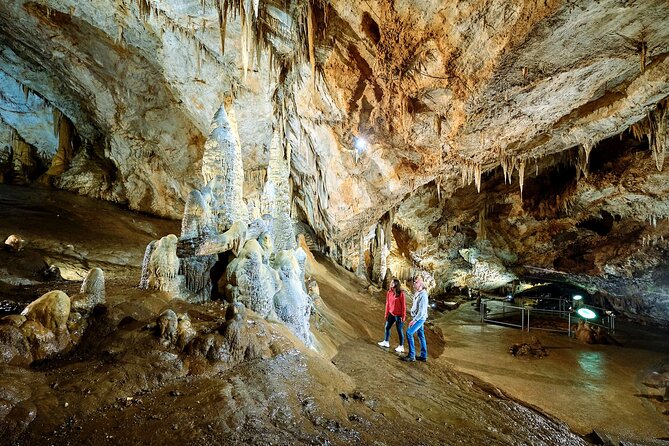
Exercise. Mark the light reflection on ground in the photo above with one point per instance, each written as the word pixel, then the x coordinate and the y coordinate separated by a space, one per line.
pixel 592 364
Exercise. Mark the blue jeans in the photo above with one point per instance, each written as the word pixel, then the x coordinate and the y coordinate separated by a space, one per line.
pixel 417 327
pixel 389 323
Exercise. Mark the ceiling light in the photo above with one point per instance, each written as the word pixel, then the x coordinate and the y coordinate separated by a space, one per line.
pixel 360 144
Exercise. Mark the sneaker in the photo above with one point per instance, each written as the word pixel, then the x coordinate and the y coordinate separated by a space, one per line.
pixel 421 359
pixel 385 344
pixel 407 359
pixel 400 349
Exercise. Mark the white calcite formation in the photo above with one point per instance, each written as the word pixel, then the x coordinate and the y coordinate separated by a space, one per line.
pixel 223 173
pixel 278 197
pixel 163 265
pixel 292 303
pixel 259 275
pixel 256 282
pixel 92 292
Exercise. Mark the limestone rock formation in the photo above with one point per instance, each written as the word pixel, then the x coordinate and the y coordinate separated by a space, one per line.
pixel 441 124
pixel 291 303
pixel 92 292
pixel 255 282
pixel 14 243
pixel 162 268
pixel 51 311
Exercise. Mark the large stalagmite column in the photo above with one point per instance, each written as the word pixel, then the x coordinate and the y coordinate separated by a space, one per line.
pixel 277 197
pixel 223 171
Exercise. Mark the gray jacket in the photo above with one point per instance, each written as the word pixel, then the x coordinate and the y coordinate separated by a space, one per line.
pixel 419 306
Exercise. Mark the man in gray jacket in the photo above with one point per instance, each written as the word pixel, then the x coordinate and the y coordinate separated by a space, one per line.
pixel 418 318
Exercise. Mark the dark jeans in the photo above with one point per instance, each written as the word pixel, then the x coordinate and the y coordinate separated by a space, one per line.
pixel 392 319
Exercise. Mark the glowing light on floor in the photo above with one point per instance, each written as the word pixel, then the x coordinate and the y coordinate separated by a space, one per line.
pixel 586 313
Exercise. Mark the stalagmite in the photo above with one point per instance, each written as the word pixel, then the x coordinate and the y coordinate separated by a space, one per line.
pixel 92 292
pixel 64 131
pixel 163 265
pixel 223 171
pixel 277 197
pixel 255 282
pixel 361 269
pixel 197 219
pixel 481 235
pixel 292 304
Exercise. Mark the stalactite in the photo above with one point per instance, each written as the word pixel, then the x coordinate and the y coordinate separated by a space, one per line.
pixel 22 158
pixel 310 37
pixel 508 163
pixel 144 7
pixel 584 157
pixel 477 176
pixel 64 130
pixel 658 133
pixel 246 37
pixel 505 166
pixel 221 10
pixel 521 176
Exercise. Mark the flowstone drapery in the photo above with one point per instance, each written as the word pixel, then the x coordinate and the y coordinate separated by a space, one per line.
pixel 262 269
pixel 256 282
pixel 292 303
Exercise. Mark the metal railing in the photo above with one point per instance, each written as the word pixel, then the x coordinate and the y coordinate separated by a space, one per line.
pixel 499 312
pixel 491 308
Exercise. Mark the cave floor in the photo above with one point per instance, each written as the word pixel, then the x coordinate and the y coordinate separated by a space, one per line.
pixel 123 387
pixel 591 387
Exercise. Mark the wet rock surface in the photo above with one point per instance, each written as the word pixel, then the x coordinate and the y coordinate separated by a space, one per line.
pixel 528 350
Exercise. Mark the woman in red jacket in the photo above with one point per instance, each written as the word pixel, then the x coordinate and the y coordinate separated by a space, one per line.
pixel 396 313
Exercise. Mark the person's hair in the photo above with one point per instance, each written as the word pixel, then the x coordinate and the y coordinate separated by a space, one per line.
pixel 397 287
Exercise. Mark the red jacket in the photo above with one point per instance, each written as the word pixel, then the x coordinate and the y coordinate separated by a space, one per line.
pixel 396 305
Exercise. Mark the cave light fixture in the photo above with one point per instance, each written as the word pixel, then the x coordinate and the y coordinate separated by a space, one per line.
pixel 586 313
pixel 360 145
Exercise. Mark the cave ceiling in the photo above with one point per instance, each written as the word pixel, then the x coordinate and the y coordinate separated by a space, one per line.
pixel 451 115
